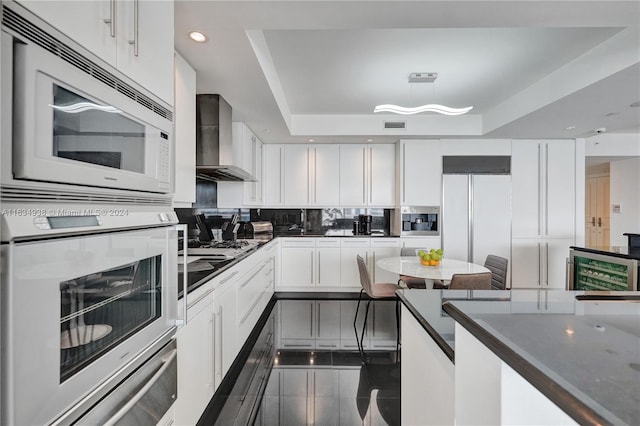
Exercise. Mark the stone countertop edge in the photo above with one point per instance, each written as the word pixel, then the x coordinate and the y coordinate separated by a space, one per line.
pixel 442 344
pixel 564 399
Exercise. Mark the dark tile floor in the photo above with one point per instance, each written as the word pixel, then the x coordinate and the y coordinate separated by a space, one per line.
pixel 307 387
pixel 331 388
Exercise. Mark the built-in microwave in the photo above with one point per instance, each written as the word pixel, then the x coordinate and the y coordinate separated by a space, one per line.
pixel 420 220
pixel 78 122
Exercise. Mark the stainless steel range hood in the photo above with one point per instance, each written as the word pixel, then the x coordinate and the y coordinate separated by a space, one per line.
pixel 215 159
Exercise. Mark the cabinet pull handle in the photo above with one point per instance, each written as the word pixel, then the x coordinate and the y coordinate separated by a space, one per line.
pixel 539 266
pixel 211 365
pixel 546 278
pixel 311 319
pixel 308 175
pixel 111 19
pixel 319 269
pixel 373 323
pixel 315 176
pixel 373 267
pixel 280 175
pixel 311 253
pixel 546 189
pixel 218 348
pixel 539 189
pixel 185 275
pixel 593 221
pixel 364 175
pixel 319 309
pixel 370 175
pixel 404 173
pixel 599 222
pixel 228 278
pixel 136 25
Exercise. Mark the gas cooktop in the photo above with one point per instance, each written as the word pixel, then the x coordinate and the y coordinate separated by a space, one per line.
pixel 229 249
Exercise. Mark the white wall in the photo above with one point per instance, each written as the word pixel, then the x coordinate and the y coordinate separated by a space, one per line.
pixel 625 190
pixel 613 144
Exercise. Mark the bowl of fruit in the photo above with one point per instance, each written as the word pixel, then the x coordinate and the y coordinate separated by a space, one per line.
pixel 429 257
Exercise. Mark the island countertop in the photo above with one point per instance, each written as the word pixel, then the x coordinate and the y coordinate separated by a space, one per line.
pixel 583 354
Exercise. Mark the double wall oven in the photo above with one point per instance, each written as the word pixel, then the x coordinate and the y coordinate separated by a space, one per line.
pixel 87 300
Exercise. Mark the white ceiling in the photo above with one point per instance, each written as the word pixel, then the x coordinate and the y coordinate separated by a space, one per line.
pixel 316 69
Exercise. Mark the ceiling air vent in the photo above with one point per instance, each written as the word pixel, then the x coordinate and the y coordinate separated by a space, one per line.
pixel 394 124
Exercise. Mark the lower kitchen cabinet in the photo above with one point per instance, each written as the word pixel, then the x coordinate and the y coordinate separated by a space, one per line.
pixel 539 263
pixel 328 325
pixel 226 344
pixel 196 382
pixel 297 263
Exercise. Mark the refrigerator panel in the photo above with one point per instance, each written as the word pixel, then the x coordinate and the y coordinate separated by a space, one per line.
pixel 491 215
pixel 455 216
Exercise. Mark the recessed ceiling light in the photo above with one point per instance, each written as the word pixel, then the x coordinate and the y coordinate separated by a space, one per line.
pixel 197 36
pixel 612 114
pixel 369 140
pixel 570 127
pixel 311 140
pixel 635 104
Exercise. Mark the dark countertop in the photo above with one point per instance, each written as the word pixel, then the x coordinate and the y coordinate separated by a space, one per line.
pixel 347 233
pixel 592 374
pixel 624 252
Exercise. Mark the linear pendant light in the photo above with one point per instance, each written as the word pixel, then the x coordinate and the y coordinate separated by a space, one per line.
pixel 428 77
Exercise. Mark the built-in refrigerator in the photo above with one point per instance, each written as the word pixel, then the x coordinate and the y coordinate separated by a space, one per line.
pixel 476 208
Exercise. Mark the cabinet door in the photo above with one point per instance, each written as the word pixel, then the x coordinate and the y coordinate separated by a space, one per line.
pixel 347 332
pixel 251 152
pixel 353 160
pixel 145 44
pixel 421 242
pixel 296 175
pixel 297 319
pixel 526 263
pixel 349 273
pixel 185 133
pixel 383 325
pixel 380 275
pixel 297 266
pixel 382 175
pixel 327 324
pixel 195 365
pixel 328 267
pixel 556 252
pixel 273 182
pixel 421 173
pixel 559 190
pixel 326 182
pixel 225 319
pixel 84 22
pixel 526 159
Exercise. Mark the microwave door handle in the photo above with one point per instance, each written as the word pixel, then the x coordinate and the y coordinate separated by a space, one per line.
pixel 143 391
pixel 185 275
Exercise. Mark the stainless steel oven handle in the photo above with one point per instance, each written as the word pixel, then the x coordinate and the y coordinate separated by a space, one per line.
pixel 185 274
pixel 141 393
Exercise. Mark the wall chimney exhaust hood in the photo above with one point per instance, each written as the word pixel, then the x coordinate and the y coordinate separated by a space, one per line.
pixel 216 158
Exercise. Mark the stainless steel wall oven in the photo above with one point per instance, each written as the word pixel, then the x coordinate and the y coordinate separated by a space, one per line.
pixel 86 300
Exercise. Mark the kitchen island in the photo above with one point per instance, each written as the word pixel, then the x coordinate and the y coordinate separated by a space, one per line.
pixel 521 356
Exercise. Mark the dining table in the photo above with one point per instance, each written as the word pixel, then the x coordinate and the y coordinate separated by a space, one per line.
pixel 411 266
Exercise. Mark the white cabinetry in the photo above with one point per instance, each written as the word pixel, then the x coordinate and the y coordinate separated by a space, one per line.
pixel 195 362
pixel 226 344
pixel 421 173
pixel 543 211
pixel 311 175
pixel 184 133
pixel 421 242
pixel 370 250
pixel 247 154
pixel 132 35
pixel 310 262
pixel 367 175
pixel 273 175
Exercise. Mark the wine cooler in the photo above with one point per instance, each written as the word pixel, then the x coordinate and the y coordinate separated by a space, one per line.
pixel 591 271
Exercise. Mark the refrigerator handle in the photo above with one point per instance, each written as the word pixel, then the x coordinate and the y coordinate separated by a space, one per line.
pixel 567 280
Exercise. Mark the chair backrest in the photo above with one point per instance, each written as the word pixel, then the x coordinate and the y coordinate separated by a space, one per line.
pixel 365 278
pixel 498 267
pixel 407 251
pixel 481 281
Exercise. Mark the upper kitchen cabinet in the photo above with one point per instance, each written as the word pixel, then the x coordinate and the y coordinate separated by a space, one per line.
pixel 420 173
pixel 251 147
pixel 272 175
pixel 367 175
pixel 184 133
pixel 311 175
pixel 134 36
pixel 543 182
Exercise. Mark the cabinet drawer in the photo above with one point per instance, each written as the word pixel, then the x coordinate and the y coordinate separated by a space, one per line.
pixel 301 242
pixel 355 242
pixel 297 344
pixel 385 242
pixel 327 242
pixel 327 344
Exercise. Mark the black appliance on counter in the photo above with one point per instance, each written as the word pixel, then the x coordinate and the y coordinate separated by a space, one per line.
pixel 364 224
pixel 230 229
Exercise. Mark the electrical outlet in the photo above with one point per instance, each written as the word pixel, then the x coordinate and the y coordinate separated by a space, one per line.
pixel 615 208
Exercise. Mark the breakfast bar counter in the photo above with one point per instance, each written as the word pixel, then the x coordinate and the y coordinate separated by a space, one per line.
pixel 536 356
